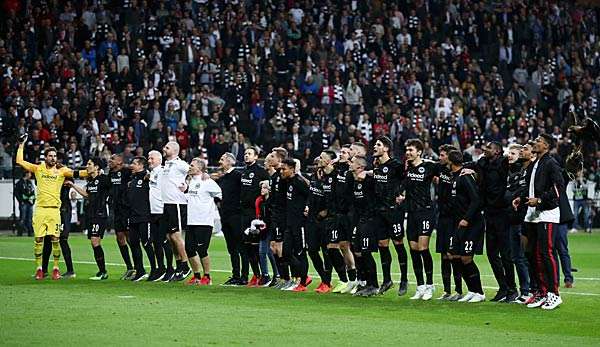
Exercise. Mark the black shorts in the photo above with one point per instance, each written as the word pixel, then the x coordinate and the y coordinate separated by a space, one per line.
pixel 339 229
pixel 96 227
pixel 294 239
pixel 467 241
pixel 176 217
pixel 120 223
pixel 389 224
pixel 443 230
pixel 419 223
pixel 197 240
pixel 366 237
pixel 140 231
pixel 316 233
pixel 277 233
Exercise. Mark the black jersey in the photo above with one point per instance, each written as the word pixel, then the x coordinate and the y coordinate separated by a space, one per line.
pixel 230 184
pixel 297 195
pixel 342 188
pixel 138 197
pixel 444 190
pixel 418 185
pixel 98 190
pixel 316 201
pixel 65 199
pixel 118 191
pixel 278 198
pixel 465 200
pixel 250 190
pixel 388 183
pixel 328 186
pixel 363 198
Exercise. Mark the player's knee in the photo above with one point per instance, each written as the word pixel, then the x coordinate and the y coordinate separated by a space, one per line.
pixel 466 259
pixel 383 243
pixel 333 245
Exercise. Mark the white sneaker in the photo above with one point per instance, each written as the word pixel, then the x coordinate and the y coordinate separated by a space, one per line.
pixel 350 287
pixel 429 289
pixel 477 298
pixel 290 285
pixel 467 297
pixel 537 302
pixel 552 302
pixel 420 292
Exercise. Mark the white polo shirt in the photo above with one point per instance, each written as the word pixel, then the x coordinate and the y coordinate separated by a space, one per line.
pixel 201 195
pixel 156 201
pixel 172 178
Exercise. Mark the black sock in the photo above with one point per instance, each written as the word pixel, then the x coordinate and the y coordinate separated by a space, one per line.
pixel 370 269
pixel 360 267
pixel 159 254
pixel 99 256
pixel 138 262
pixel 446 273
pixel 327 264
pixel 315 257
pixel 428 265
pixel 125 254
pixel 472 271
pixel 337 260
pixel 46 251
pixel 166 246
pixel 403 261
pixel 150 254
pixel 352 275
pixel 66 252
pixel 456 272
pixel 197 275
pixel 417 262
pixel 282 268
pixel 386 263
pixel 458 268
pixel 207 275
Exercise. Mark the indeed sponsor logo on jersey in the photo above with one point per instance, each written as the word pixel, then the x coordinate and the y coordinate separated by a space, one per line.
pixel 316 190
pixel 92 189
pixel 420 176
pixel 379 177
pixel 341 178
pixel 327 187
pixel 115 180
pixel 247 181
pixel 49 177
pixel 446 178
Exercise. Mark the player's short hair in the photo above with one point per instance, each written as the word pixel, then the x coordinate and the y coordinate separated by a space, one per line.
pixel 97 161
pixel 455 157
pixel 347 145
pixel 50 149
pixel 331 154
pixel 155 153
pixel 548 139
pixel 201 163
pixel 281 152
pixel 254 149
pixel 290 163
pixel 447 148
pixel 360 145
pixel 229 156
pixel 361 160
pixel 416 143
pixel 515 146
pixel 175 145
pixel 141 160
pixel 496 145
pixel 386 142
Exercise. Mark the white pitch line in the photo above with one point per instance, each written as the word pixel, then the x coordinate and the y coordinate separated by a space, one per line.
pixel 312 274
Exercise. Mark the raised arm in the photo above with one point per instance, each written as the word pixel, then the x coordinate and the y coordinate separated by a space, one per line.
pixel 21 161
pixel 77 188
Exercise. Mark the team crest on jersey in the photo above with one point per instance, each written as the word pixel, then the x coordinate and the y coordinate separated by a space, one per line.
pixel 96 182
pixel 454 184
pixel 291 188
pixel 385 169
pixel 330 180
pixel 197 185
pixel 359 186
pixel 119 173
pixel 421 169
pixel 139 182
pixel 251 175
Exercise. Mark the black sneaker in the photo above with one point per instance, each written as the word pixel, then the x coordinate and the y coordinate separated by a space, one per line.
pixel 232 281
pixel 181 275
pixel 128 275
pixel 511 297
pixel 155 275
pixel 403 288
pixel 68 274
pixel 168 275
pixel 370 291
pixel 264 281
pixel 274 282
pixel 500 296
pixel 139 276
pixel 385 286
pixel 242 282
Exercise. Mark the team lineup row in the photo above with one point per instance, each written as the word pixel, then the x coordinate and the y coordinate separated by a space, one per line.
pixel 349 209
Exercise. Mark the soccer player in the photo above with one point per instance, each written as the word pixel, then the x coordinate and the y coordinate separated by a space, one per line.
pixel 363 199
pixel 201 194
pixel 138 198
pixel 466 237
pixel 294 237
pixel 96 192
pixel 46 215
pixel 119 176
pixel 389 219
pixel 158 223
pixel 317 221
pixel 250 180
pixel 544 181
pixel 419 207
pixel 339 237
pixel 175 205
pixel 229 208
pixel 277 202
pixel 445 225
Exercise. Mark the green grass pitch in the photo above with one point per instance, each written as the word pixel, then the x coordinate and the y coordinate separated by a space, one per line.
pixel 114 312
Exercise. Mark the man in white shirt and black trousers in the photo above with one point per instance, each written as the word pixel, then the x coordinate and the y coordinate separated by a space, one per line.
pixel 158 226
pixel 545 183
pixel 175 205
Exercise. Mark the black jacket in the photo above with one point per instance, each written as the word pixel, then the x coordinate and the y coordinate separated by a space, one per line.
pixel 516 186
pixel 250 187
pixel 493 175
pixel 230 186
pixel 465 198
pixel 548 182
pixel 137 193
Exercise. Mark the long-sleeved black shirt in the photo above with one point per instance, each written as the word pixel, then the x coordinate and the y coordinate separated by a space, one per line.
pixel 444 191
pixel 138 197
pixel 250 190
pixel 297 195
pixel 388 183
pixel 342 186
pixel 278 199
pixel 230 184
pixel 118 191
pixel 465 199
pixel 418 185
pixel 493 175
pixel 98 190
pixel 363 198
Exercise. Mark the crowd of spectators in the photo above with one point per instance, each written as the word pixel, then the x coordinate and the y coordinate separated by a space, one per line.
pixel 99 77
